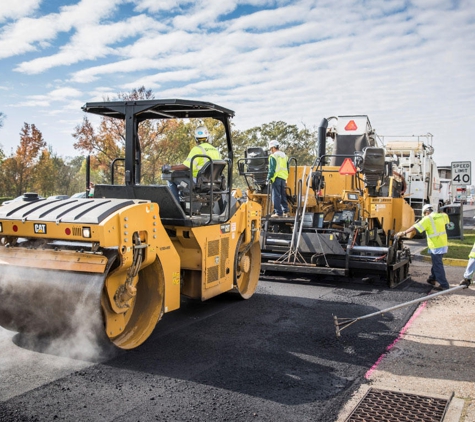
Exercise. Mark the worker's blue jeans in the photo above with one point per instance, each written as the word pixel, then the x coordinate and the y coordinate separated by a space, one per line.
pixel 279 197
pixel 437 271
pixel 470 269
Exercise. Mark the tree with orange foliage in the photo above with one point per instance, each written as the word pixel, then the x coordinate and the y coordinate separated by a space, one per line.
pixel 161 141
pixel 21 166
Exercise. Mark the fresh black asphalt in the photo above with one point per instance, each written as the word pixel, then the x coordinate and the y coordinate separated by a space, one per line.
pixel 274 357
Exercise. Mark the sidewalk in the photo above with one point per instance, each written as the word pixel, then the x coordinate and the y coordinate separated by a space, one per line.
pixel 434 355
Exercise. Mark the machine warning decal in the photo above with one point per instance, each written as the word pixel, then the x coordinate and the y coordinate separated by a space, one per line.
pixel 351 125
pixel 225 228
pixel 347 168
pixel 40 228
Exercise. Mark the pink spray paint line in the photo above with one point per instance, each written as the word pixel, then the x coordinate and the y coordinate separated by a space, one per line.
pixel 399 337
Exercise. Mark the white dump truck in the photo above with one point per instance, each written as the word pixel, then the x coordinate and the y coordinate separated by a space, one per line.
pixel 413 160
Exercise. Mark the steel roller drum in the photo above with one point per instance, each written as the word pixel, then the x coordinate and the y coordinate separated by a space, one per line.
pixel 51 302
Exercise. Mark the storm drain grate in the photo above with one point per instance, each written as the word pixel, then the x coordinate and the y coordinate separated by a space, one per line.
pixel 390 406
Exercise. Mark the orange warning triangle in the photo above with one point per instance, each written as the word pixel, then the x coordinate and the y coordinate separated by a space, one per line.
pixel 347 167
pixel 351 125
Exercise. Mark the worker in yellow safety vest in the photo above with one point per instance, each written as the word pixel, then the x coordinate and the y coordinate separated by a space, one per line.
pixel 433 224
pixel 203 148
pixel 277 175
pixel 470 269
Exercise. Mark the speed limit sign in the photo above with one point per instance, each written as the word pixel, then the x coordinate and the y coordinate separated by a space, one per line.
pixel 461 172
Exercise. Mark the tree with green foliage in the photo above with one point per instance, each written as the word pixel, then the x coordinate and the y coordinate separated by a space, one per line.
pixel 54 176
pixel 3 181
pixel 72 175
pixel 2 155
pixel 298 143
pixel 45 175
pixel 35 167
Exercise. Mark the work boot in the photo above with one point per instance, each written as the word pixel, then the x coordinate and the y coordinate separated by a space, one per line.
pixel 466 282
pixel 431 281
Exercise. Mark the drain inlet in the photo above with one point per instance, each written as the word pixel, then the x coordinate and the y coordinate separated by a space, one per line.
pixel 391 406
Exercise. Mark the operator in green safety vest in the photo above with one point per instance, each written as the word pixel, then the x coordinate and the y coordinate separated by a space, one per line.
pixel 203 148
pixel 433 224
pixel 470 269
pixel 277 175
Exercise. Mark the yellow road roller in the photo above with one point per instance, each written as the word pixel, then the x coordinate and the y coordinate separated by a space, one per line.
pixel 114 263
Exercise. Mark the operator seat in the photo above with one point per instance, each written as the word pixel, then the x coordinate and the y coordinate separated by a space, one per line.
pixel 257 163
pixel 372 165
pixel 211 177
pixel 206 191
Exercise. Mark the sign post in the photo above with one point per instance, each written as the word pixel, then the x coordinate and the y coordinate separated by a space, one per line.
pixel 461 172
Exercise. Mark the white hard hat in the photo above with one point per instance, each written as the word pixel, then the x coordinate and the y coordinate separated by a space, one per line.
pixel 427 207
pixel 201 134
pixel 273 144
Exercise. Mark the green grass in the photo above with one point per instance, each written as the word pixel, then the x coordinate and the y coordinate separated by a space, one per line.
pixel 459 249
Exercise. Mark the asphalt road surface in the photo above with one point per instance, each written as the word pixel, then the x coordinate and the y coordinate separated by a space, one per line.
pixel 274 357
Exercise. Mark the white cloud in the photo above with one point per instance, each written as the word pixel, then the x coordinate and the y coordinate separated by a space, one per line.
pixel 155 6
pixel 161 44
pixel 24 35
pixel 38 102
pixel 407 64
pixel 157 80
pixel 32 34
pixel 93 73
pixel 266 19
pixel 17 9
pixel 62 94
pixel 89 43
pixel 57 95
pixel 204 14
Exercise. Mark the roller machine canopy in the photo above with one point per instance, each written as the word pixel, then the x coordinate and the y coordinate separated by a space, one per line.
pixel 134 112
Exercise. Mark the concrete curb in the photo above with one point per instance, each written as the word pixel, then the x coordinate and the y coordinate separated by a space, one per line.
pixel 448 261
pixel 453 262
pixel 454 410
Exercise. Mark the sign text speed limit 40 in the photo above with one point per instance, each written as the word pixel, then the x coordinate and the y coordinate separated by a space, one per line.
pixel 461 172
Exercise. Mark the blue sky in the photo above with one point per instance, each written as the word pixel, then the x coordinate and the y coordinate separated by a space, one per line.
pixel 408 65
